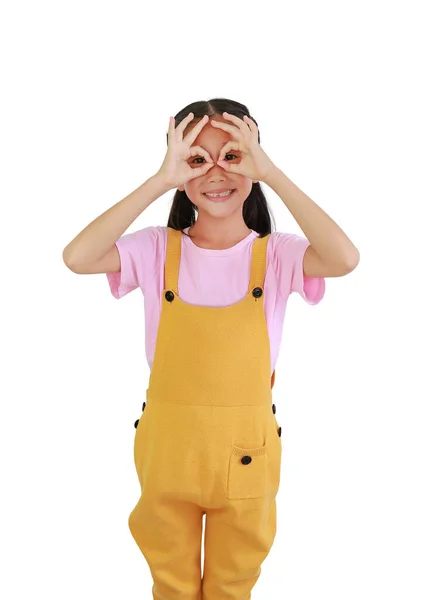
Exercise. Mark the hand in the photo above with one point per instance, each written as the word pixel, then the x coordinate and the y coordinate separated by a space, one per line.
pixel 174 170
pixel 255 163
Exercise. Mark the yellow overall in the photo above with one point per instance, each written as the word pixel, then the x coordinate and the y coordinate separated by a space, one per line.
pixel 208 443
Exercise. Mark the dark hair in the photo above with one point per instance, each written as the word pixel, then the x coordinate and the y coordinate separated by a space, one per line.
pixel 256 211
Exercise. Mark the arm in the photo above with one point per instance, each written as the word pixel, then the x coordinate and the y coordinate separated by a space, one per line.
pixel 331 253
pixel 93 250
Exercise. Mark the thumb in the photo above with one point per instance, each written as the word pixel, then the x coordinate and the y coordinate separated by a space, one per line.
pixel 205 168
pixel 227 166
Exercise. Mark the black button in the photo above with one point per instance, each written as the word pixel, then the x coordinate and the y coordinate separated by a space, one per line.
pixel 257 292
pixel 246 460
pixel 169 296
pixel 143 406
pixel 273 408
pixel 136 423
pixel 279 431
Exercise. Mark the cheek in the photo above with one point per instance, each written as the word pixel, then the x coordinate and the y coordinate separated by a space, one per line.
pixel 245 186
pixel 191 188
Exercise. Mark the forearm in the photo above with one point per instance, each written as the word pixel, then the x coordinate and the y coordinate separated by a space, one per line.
pixel 328 240
pixel 96 239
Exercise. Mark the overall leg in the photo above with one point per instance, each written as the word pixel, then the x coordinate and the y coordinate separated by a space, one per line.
pixel 168 532
pixel 237 539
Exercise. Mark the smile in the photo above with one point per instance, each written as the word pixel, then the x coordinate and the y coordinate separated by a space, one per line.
pixel 223 196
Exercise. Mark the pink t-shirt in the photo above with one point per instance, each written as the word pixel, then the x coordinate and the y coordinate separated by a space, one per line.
pixel 214 277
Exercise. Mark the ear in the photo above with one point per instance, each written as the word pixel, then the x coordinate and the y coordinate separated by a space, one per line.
pixel 181 188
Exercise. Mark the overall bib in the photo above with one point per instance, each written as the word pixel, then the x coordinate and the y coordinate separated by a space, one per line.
pixel 208 443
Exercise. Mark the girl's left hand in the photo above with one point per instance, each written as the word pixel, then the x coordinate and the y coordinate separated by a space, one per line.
pixel 255 163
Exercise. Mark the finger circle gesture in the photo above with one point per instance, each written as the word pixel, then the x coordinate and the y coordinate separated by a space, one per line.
pixel 255 163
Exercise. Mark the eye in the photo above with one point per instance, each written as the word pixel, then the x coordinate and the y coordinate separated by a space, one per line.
pixel 201 158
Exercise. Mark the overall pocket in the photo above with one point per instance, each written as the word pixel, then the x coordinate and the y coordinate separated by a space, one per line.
pixel 247 473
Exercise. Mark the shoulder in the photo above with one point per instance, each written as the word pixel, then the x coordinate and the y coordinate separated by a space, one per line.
pixel 285 237
pixel 143 242
pixel 153 234
pixel 283 243
pixel 145 232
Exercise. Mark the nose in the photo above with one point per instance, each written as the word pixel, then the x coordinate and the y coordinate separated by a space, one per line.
pixel 216 173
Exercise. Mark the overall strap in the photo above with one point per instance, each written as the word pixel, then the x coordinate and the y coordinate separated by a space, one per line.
pixel 258 262
pixel 258 272
pixel 173 255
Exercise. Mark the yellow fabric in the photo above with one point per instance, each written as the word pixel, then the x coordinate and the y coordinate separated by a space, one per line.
pixel 208 406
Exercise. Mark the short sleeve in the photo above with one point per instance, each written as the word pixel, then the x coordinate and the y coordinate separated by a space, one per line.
pixel 137 252
pixel 288 251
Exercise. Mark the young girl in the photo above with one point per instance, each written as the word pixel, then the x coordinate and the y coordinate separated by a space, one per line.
pixel 216 281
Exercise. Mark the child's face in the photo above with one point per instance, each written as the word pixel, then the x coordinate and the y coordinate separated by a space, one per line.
pixel 212 139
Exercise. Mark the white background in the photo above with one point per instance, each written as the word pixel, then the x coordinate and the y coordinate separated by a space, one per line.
pixel 343 95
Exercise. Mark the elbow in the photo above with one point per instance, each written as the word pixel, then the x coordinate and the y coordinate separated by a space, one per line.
pixel 352 262
pixel 67 260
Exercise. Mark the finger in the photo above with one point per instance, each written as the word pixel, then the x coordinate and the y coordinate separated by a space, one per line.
pixel 178 130
pixel 198 150
pixel 228 167
pixel 244 126
pixel 190 137
pixel 251 123
pixel 201 171
pixel 231 145
pixel 234 131
pixel 171 129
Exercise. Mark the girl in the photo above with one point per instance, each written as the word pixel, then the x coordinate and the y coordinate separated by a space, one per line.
pixel 216 281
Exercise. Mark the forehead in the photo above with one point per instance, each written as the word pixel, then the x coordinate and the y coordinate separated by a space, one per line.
pixel 209 135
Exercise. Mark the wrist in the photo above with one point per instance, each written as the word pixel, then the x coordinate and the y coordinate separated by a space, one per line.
pixel 272 176
pixel 161 182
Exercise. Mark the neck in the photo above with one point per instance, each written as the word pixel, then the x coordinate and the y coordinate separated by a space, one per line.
pixel 218 233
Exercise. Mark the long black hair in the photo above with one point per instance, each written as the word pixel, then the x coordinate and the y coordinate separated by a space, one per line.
pixel 256 211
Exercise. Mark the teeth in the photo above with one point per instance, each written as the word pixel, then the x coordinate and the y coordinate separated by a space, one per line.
pixel 219 195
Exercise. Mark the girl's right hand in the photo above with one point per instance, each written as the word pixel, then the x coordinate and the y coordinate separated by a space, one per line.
pixel 175 170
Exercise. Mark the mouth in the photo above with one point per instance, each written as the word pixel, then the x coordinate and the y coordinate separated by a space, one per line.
pixel 220 198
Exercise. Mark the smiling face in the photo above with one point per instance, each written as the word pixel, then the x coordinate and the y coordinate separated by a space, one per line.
pixel 213 139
